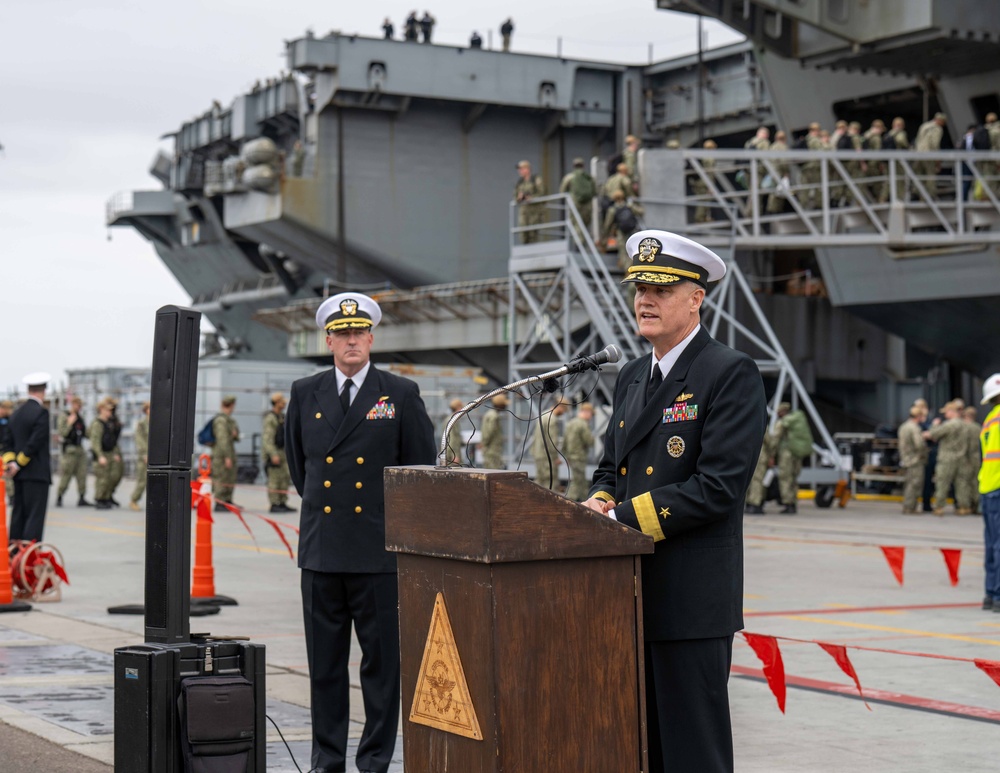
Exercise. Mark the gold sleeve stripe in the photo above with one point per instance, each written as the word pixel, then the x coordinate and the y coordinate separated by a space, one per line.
pixel 22 460
pixel 645 512
pixel 8 457
pixel 604 496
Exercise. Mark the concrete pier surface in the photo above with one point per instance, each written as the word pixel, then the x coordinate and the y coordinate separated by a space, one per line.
pixel 818 576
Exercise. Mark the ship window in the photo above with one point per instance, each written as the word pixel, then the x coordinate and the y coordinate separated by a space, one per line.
pixel 984 104
pixel 772 24
pixel 837 10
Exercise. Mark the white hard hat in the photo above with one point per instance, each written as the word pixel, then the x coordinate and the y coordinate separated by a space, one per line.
pixel 991 388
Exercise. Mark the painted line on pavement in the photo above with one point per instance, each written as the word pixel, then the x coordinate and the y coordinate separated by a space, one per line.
pixel 841 610
pixel 884 697
pixel 890 629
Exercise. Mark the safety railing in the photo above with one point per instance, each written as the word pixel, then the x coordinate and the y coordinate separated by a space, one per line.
pixel 829 198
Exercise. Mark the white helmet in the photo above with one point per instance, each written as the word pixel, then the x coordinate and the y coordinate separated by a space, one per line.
pixel 991 388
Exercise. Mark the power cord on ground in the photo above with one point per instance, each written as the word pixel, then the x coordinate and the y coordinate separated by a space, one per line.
pixel 282 737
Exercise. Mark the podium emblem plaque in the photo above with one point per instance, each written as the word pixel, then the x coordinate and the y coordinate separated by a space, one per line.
pixel 441 698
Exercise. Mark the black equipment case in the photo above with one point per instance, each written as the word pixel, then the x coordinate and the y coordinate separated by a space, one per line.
pixel 154 729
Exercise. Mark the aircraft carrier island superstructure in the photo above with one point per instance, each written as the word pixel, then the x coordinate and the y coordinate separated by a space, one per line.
pixel 388 167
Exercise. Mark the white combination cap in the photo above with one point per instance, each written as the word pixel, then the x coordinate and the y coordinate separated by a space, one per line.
pixel 41 378
pixel 344 311
pixel 663 258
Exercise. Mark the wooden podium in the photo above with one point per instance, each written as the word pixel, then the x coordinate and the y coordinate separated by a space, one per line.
pixel 521 627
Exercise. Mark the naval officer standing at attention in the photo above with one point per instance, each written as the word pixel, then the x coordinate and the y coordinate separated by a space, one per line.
pixel 342 428
pixel 679 452
pixel 28 461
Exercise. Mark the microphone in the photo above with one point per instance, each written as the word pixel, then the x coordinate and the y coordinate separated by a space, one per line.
pixel 610 353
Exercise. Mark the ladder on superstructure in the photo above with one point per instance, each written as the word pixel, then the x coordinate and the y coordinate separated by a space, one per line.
pixel 578 311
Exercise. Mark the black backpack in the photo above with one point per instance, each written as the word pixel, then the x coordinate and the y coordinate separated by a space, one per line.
pixel 279 435
pixel 625 220
pixel 888 142
pixel 845 142
pixel 109 437
pixel 613 163
pixel 802 143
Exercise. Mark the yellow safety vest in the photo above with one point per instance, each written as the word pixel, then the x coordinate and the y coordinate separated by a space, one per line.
pixel 989 439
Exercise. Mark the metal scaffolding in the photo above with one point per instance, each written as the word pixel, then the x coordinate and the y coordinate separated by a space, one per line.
pixel 575 306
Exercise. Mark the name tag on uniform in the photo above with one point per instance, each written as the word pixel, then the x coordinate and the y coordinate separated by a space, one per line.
pixel 680 412
pixel 383 409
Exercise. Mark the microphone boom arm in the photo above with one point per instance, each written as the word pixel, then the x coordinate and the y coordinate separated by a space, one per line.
pixel 591 362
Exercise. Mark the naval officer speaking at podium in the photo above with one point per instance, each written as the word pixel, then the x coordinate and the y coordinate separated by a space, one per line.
pixel 343 427
pixel 679 452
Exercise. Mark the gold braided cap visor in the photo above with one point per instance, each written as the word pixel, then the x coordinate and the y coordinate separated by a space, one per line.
pixel 661 275
pixel 347 324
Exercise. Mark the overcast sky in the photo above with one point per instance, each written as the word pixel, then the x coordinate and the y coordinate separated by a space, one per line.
pixel 86 90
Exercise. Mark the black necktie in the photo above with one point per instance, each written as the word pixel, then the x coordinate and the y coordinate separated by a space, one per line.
pixel 655 379
pixel 345 395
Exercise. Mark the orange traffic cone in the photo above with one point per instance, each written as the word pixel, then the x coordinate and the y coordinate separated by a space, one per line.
pixel 203 572
pixel 7 601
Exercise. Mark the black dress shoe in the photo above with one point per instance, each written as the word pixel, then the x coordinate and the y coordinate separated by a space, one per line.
pixel 84 503
pixel 987 602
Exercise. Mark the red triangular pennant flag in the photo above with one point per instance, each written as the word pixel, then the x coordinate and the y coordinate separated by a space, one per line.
pixel 766 648
pixel 989 667
pixel 895 555
pixel 839 653
pixel 952 557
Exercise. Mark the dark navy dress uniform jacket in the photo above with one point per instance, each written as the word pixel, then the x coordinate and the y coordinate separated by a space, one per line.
pixel 678 468
pixel 29 429
pixel 336 464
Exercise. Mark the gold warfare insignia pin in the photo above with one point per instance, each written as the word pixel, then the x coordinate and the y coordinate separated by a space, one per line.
pixel 648 249
pixel 683 398
pixel 348 308
pixel 675 446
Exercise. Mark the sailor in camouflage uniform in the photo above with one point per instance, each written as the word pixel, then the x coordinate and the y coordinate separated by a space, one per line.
pixel 141 456
pixel 582 189
pixel 492 435
pixel 545 447
pixel 912 458
pixel 578 441
pixel 103 435
pixel 793 440
pixel 950 438
pixel 224 466
pixel 968 475
pixel 529 187
pixel 455 448
pixel 73 463
pixel 273 450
